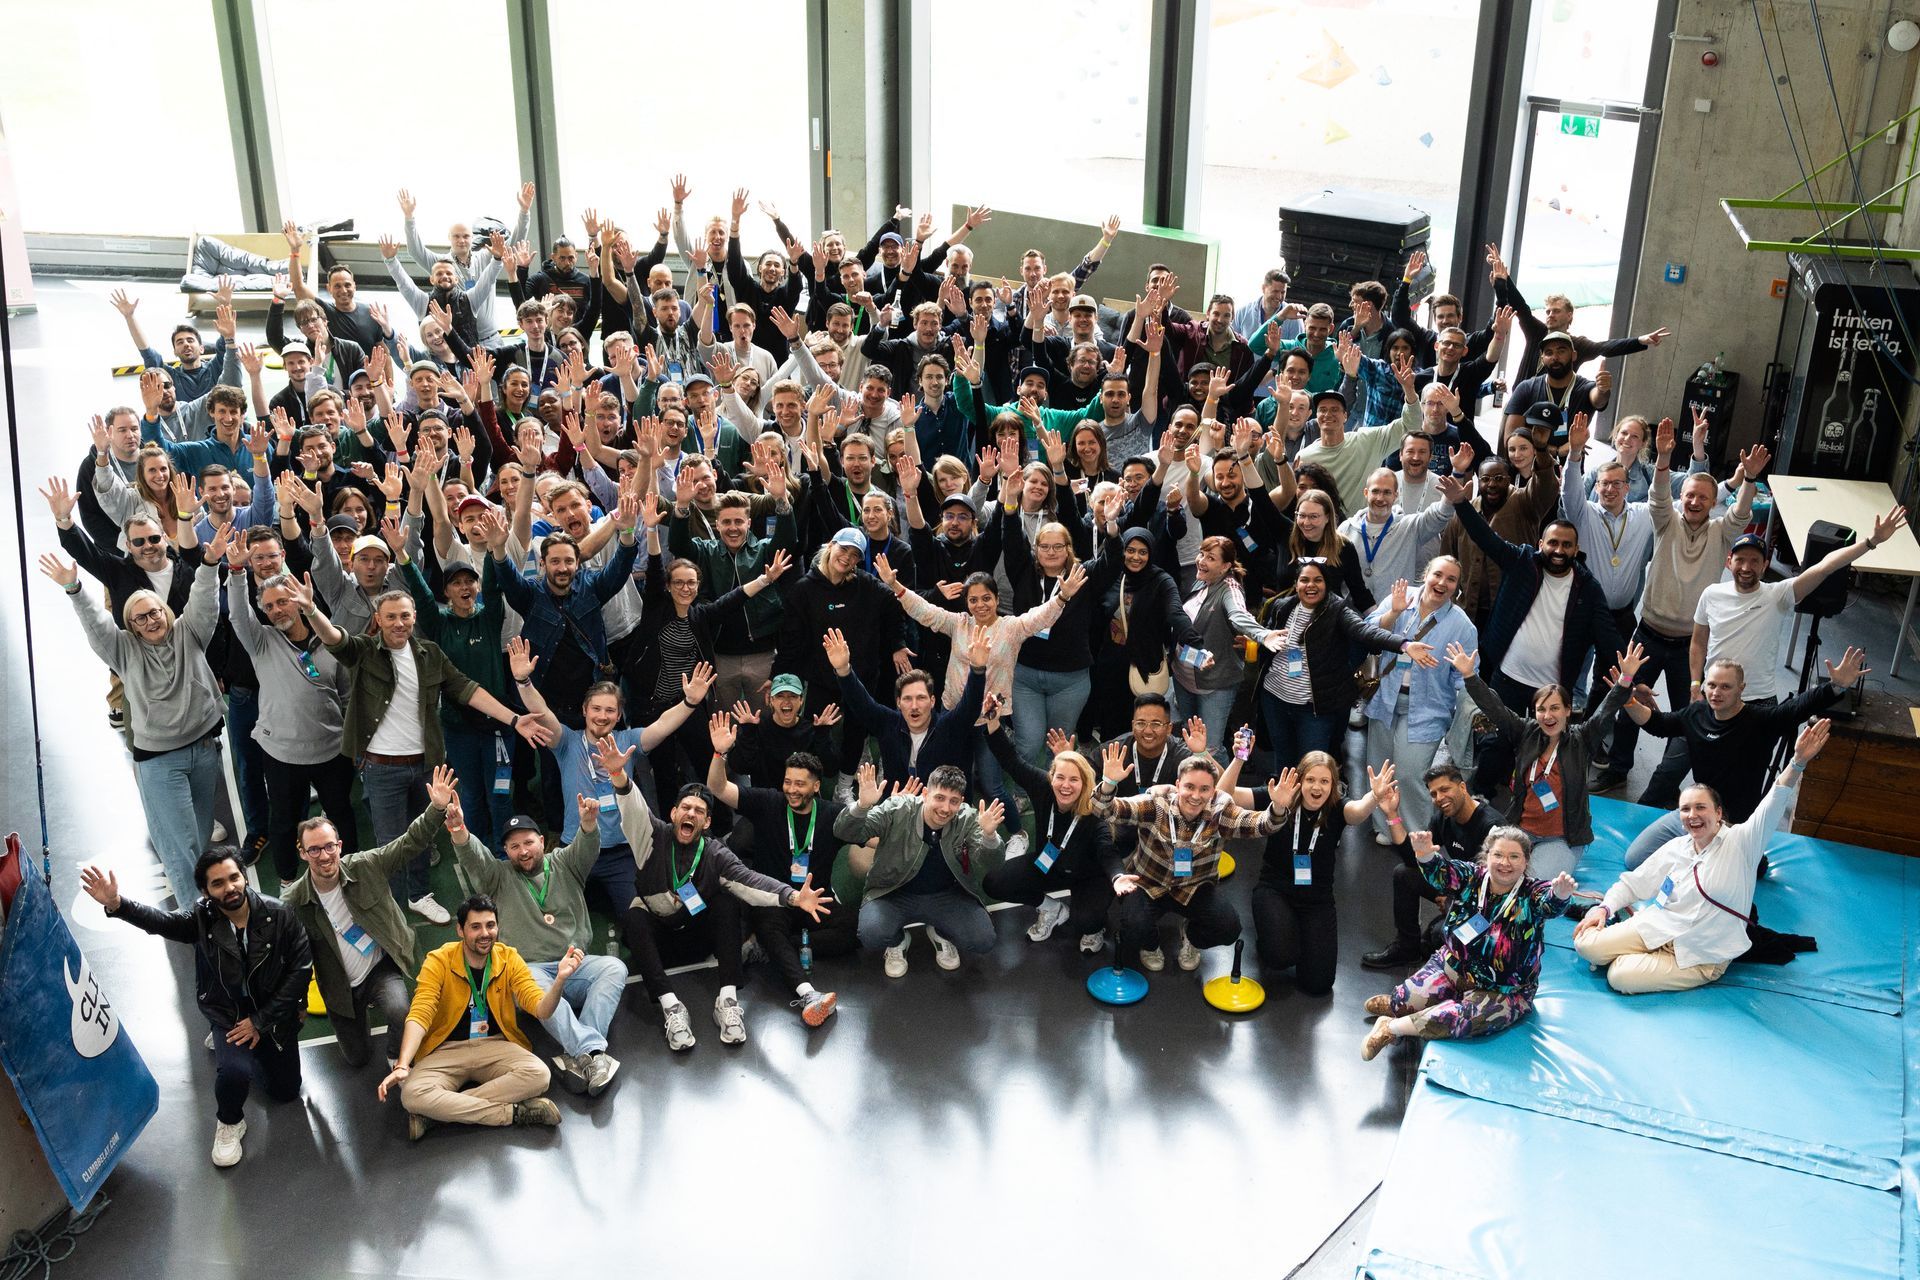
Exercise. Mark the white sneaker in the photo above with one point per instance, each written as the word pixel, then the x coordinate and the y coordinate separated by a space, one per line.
pixel 220 834
pixel 1382 839
pixel 732 1024
pixel 678 1027
pixel 1189 958
pixel 1153 961
pixel 846 791
pixel 427 908
pixel 226 1143
pixel 208 1041
pixel 945 954
pixel 600 1070
pixel 1017 846
pixel 571 1071
pixel 1052 912
pixel 1093 943
pixel 895 958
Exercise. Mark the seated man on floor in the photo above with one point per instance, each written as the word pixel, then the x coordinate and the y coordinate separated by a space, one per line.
pixel 1701 884
pixel 463 1028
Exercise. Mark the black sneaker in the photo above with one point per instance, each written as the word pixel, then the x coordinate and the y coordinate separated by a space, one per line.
pixel 116 719
pixel 1605 780
pixel 255 846
pixel 1395 955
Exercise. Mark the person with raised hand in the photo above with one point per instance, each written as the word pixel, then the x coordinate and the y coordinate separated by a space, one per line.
pixel 1174 868
pixel 1483 978
pixel 1697 889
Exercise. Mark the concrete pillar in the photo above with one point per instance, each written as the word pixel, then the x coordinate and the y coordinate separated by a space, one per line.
pixel 863 125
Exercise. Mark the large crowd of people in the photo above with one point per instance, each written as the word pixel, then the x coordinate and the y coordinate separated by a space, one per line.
pixel 772 607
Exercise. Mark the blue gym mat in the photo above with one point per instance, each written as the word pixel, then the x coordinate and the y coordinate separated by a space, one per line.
pixel 1483 1190
pixel 1767 1125
pixel 1850 899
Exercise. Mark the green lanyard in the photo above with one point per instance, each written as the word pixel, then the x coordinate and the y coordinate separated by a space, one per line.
pixel 792 842
pixel 678 879
pixel 546 881
pixel 486 980
pixel 853 507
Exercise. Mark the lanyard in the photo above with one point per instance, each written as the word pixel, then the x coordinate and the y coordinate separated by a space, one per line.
pixel 1314 834
pixel 793 840
pixel 1159 766
pixel 486 980
pixel 1544 765
pixel 1505 902
pixel 1564 400
pixel 673 859
pixel 853 504
pixel 1373 545
pixel 1612 537
pixel 546 882
pixel 540 378
pixel 1173 832
pixel 1049 588
pixel 1061 841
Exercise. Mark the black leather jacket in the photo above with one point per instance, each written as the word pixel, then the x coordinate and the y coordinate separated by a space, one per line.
pixel 268 983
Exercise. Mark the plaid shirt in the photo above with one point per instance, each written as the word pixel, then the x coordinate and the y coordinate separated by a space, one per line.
pixel 1163 828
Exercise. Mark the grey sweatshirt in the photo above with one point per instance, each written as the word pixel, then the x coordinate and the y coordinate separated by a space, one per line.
pixel 172 699
pixel 303 692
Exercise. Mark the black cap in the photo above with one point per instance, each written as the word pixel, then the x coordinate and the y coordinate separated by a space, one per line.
pixel 451 571
pixel 1545 413
pixel 1329 394
pixel 343 524
pixel 519 822
pixel 960 500
pixel 1030 369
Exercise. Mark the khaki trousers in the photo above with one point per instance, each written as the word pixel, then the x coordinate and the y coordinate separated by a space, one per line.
pixel 506 1072
pixel 1632 969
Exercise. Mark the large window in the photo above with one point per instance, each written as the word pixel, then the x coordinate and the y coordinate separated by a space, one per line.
pixel 642 92
pixel 1369 95
pixel 116 119
pixel 1041 108
pixel 373 97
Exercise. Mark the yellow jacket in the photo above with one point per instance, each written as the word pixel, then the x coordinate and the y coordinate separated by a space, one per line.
pixel 442 994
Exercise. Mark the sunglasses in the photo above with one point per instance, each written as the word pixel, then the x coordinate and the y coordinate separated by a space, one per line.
pixel 147 541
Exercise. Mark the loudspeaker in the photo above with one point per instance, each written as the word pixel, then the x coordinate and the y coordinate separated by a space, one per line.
pixel 1830 597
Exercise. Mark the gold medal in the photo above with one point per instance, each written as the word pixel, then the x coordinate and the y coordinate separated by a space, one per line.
pixel 1616 562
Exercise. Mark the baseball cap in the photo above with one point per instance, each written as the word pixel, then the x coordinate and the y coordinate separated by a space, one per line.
pixel 367 542
pixel 959 500
pixel 1544 413
pixel 851 537
pixel 458 567
pixel 694 378
pixel 1083 302
pixel 519 822
pixel 1748 542
pixel 343 524
pixel 1556 335
pixel 789 683
pixel 470 502
pixel 423 366
pixel 1027 370
pixel 1328 394
pixel 296 347
pixel 891 237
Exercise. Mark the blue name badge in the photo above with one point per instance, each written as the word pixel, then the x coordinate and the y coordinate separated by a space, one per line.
pixel 691 897
pixel 609 805
pixel 1467 930
pixel 479 1027
pixel 1543 791
pixel 503 779
pixel 1403 660
pixel 1296 661
pixel 1246 539
pixel 1043 633
pixel 772 523
pixel 1666 892
pixel 1182 862
pixel 1303 868
pixel 675 371
pixel 797 870
pixel 362 941
pixel 1046 857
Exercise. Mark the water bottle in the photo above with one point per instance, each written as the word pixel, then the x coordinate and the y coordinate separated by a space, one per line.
pixel 1499 392
pixel 613 939
pixel 806 953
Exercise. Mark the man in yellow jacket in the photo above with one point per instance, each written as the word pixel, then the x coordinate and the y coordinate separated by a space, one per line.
pixel 464 1027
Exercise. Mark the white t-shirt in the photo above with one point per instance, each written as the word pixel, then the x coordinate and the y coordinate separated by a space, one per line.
pixel 359 963
pixel 399 731
pixel 915 741
pixel 1750 629
pixel 1534 658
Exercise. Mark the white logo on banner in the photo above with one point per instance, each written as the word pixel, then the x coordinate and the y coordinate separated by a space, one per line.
pixel 94 1023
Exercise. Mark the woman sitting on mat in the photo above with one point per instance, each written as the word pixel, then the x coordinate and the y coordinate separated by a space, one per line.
pixel 1482 980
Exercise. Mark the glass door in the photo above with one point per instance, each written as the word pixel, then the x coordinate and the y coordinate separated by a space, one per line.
pixel 1575 197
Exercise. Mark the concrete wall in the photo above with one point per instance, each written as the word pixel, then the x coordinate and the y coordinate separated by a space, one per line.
pixel 1739 148
pixel 862 115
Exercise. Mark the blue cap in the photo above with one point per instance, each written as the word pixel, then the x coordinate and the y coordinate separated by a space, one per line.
pixel 1748 542
pixel 851 537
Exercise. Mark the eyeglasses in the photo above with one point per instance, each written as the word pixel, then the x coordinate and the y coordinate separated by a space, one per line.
pixel 146 541
pixel 1151 724
pixel 331 846
pixel 151 615
pixel 1053 546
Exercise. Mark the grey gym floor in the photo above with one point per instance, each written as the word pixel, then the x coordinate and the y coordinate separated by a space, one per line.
pixel 940 1123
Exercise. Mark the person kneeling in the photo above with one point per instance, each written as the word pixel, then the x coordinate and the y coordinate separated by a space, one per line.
pixel 1701 884
pixel 464 1028
pixel 930 866
pixel 1483 979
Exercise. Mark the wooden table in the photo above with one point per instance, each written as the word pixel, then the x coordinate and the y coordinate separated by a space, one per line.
pixel 1798 501
pixel 1865 787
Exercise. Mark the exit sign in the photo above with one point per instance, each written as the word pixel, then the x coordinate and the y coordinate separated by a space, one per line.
pixel 1578 126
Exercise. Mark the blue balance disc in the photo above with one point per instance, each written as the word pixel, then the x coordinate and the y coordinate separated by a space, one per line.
pixel 1109 985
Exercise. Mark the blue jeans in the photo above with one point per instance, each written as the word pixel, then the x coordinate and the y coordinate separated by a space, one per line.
pixel 1294 729
pixel 595 988
pixel 397 794
pixel 249 762
pixel 1664 828
pixel 176 792
pixel 473 755
pixel 1045 700
pixel 957 915
pixel 989 779
pixel 1213 706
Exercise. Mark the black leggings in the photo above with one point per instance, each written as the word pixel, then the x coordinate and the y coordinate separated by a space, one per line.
pixel 653 941
pixel 288 786
pixel 1211 920
pixel 1021 880
pixel 1299 934
pixel 778 929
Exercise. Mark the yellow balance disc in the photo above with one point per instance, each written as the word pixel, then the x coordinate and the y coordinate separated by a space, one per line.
pixel 1233 992
pixel 1227 864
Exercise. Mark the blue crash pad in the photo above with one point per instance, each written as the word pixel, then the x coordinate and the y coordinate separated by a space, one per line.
pixel 1803 1084
pixel 1850 899
pixel 1477 1189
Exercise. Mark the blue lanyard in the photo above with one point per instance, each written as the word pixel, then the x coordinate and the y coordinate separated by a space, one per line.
pixel 1373 545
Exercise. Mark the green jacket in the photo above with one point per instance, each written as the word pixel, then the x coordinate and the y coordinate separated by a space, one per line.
pixel 471 644
pixel 363 878
pixel 969 401
pixel 722 570
pixel 370 692
pixel 970 853
pixel 523 924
